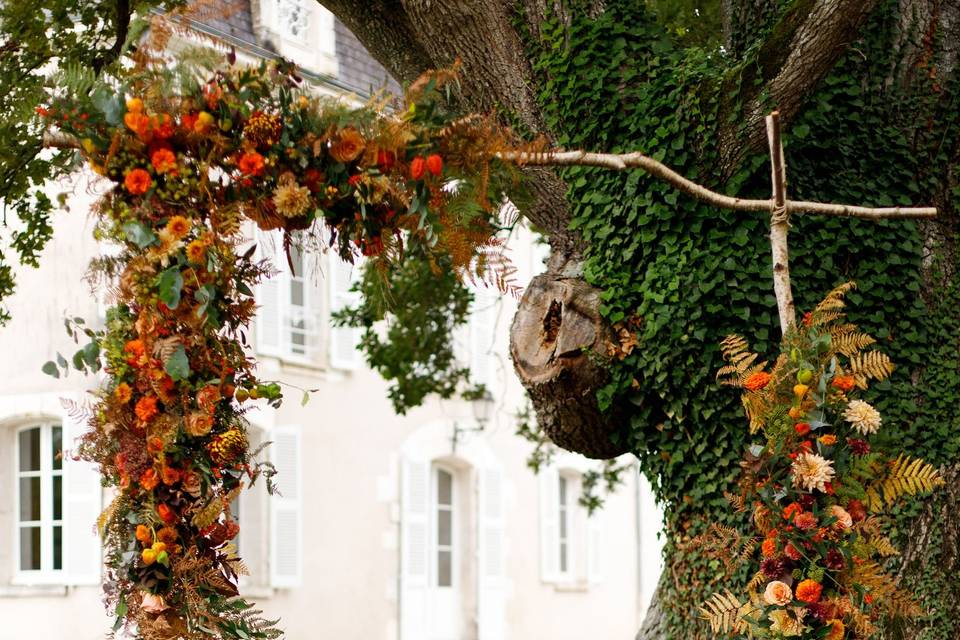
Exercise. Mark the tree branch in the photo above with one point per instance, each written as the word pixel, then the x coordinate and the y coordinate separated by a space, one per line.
pixel 123 27
pixel 659 170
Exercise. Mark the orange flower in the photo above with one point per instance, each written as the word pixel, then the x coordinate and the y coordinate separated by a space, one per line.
pixel 167 535
pixel 208 397
pixel 178 226
pixel 163 126
pixel 149 479
pixel 347 145
pixel 137 122
pixel 791 510
pixel 417 168
pixel 166 514
pixel 769 547
pixel 844 383
pixel 795 412
pixel 137 181
pixel 203 123
pixel 778 594
pixel 802 428
pixel 809 591
pixel 164 160
pixel 123 393
pixel 828 439
pixel 757 381
pixel 196 251
pixel 154 444
pixel 837 629
pixel 805 520
pixel 146 408
pixel 143 534
pixel 251 163
pixel 792 552
pixel 170 476
pixel 135 348
pixel 135 105
pixel 435 164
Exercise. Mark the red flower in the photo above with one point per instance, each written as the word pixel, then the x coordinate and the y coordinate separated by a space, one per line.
pixel 166 514
pixel 312 178
pixel 149 479
pixel 355 179
pixel 802 428
pixel 137 181
pixel 435 164
pixel 386 160
pixel 807 318
pixel 805 520
pixel 251 163
pixel 859 447
pixel 170 476
pixel 808 591
pixel 418 167
pixel 757 381
pixel 791 510
pixel 163 126
pixel 792 552
pixel 188 121
pixel 856 510
pixel 163 160
pixel 844 383
pixel 146 408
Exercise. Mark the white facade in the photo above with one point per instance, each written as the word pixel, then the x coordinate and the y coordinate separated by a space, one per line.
pixel 416 527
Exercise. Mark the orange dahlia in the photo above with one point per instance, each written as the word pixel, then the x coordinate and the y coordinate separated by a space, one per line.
pixel 769 547
pixel 844 383
pixel 809 591
pixel 146 408
pixel 757 381
pixel 251 163
pixel 163 160
pixel 137 181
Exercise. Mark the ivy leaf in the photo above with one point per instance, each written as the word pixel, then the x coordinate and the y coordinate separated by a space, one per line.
pixel 50 368
pixel 177 366
pixel 139 234
pixel 171 282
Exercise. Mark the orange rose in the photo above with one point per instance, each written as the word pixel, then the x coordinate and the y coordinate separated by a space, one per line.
pixel 809 591
pixel 137 181
pixel 251 163
pixel 844 519
pixel 778 594
pixel 347 145
pixel 163 160
pixel 757 381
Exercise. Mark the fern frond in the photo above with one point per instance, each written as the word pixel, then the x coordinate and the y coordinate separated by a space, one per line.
pixel 848 341
pixel 738 503
pixel 908 477
pixel 725 613
pixel 834 300
pixel 883 546
pixel 874 365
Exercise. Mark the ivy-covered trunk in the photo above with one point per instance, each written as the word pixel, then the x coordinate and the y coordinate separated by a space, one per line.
pixel 868 92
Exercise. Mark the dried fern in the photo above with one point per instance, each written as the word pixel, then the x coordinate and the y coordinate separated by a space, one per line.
pixel 874 365
pixel 725 613
pixel 908 477
pixel 849 341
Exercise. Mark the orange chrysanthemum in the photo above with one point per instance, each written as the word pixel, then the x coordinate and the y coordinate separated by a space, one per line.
pixel 123 393
pixel 844 383
pixel 828 439
pixel 805 520
pixel 757 381
pixel 149 479
pixel 251 163
pixel 196 251
pixel 769 547
pixel 137 181
pixel 146 408
pixel 164 160
pixel 178 226
pixel 808 591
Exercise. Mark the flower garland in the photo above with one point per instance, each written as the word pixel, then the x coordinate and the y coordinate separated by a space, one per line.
pixel 191 161
pixel 813 483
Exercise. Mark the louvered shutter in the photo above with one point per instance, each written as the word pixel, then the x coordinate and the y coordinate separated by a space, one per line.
pixel 492 595
pixel 343 340
pixel 270 297
pixel 286 537
pixel 482 321
pixel 595 546
pixel 549 524
pixel 414 549
pixel 82 505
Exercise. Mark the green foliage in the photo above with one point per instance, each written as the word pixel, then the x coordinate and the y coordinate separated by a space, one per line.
pixel 694 274
pixel 422 304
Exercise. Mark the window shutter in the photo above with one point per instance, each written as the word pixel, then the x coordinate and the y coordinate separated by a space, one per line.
pixel 595 547
pixel 482 322
pixel 492 596
pixel 269 298
pixel 414 549
pixel 549 524
pixel 286 537
pixel 82 504
pixel 343 340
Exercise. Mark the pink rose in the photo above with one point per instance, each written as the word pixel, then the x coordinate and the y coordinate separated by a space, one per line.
pixel 844 519
pixel 152 603
pixel 778 593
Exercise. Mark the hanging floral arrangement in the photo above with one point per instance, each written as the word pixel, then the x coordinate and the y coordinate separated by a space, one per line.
pixel 816 482
pixel 191 160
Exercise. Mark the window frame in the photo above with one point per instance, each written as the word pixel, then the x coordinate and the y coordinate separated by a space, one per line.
pixel 303 39
pixel 46 574
pixel 434 524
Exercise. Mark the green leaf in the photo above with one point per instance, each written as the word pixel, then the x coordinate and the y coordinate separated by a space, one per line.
pixel 204 295
pixel 170 284
pixel 139 234
pixel 50 368
pixel 177 366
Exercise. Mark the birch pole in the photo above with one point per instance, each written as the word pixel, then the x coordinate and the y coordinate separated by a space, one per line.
pixel 780 225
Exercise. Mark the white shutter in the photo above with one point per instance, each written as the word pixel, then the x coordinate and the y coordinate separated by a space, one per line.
pixel 549 524
pixel 595 546
pixel 482 321
pixel 414 549
pixel 270 298
pixel 82 505
pixel 492 594
pixel 343 340
pixel 286 537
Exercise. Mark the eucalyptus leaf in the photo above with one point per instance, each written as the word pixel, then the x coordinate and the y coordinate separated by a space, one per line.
pixel 170 285
pixel 178 366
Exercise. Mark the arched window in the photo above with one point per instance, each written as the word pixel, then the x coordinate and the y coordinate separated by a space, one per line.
pixel 39 499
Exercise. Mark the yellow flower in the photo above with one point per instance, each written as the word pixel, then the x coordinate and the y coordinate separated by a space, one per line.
pixel 800 390
pixel 290 198
pixel 837 629
pixel 196 251
pixel 178 226
pixel 123 393
pixel 828 439
pixel 784 623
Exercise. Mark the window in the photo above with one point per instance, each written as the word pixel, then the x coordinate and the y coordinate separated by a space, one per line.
pixel 287 317
pixel 564 524
pixel 297 316
pixel 443 528
pixel 39 498
pixel 294 18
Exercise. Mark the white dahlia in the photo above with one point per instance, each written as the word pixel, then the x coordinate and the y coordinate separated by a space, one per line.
pixel 862 417
pixel 810 471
